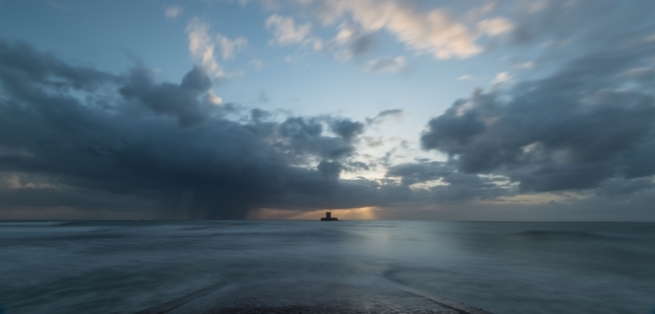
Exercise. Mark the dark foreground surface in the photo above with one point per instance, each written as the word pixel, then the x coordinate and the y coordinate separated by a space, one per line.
pixel 324 296
pixel 312 266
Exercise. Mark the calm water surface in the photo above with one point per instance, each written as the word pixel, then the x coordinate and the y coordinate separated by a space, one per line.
pixel 123 267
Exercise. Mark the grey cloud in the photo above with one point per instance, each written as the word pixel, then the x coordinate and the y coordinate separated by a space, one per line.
pixel 306 135
pixel 196 80
pixel 419 172
pixel 452 134
pixel 180 101
pixel 330 169
pixel 347 128
pixel 618 187
pixel 19 61
pixel 387 65
pixel 642 74
pixel 571 130
pixel 383 115
pixel 350 42
pixel 357 165
pixel 361 44
pixel 584 22
pixel 454 185
pixel 259 115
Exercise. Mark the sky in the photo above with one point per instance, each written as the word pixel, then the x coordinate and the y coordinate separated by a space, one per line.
pixel 531 110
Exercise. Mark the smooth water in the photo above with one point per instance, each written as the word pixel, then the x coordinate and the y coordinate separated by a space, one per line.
pixel 126 266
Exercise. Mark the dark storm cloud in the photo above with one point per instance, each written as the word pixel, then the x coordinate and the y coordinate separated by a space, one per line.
pixel 196 80
pixel 330 169
pixel 19 62
pixel 572 130
pixel 77 137
pixel 306 136
pixel 74 137
pixel 180 101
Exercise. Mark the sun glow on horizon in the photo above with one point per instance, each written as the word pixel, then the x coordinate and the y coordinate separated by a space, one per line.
pixel 361 213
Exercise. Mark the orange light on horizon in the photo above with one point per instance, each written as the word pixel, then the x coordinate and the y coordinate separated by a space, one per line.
pixel 361 213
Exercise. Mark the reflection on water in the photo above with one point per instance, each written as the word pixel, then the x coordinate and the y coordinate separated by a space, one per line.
pixel 122 267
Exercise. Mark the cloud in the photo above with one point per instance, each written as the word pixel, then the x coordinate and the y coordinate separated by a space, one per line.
pixel 502 77
pixel 285 30
pixel 496 26
pixel 641 74
pixel 527 66
pixel 304 138
pixel 349 42
pixel 347 128
pixel 437 32
pixel 583 23
pixel 620 187
pixel 386 65
pixel 171 12
pixel 574 129
pixel 103 142
pixel 330 168
pixel 229 48
pixel 443 183
pixel 382 115
pixel 180 101
pixel 447 32
pixel 211 98
pixel 202 47
pixel 466 77
pixel 434 32
pixel 129 146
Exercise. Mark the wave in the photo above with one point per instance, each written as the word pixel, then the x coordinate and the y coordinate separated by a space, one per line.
pixel 28 223
pixel 585 235
pixel 569 234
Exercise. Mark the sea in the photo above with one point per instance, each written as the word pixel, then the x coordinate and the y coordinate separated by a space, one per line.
pixel 502 267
